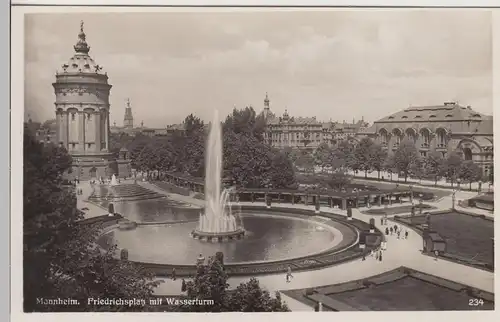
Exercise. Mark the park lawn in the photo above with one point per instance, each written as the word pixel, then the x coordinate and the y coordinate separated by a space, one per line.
pixel 408 294
pixel 466 236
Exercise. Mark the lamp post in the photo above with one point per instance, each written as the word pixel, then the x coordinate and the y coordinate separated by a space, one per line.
pixel 453 199
pixel 357 196
pixel 458 184
pixel 411 194
pixel 421 202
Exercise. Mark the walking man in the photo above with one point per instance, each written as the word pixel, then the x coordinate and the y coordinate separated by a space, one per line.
pixel 399 233
pixel 386 231
pixel 380 256
pixel 406 234
pixel 382 221
pixel 391 230
pixel 288 274
pixel 174 275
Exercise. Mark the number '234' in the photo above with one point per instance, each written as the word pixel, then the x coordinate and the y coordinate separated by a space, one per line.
pixel 476 302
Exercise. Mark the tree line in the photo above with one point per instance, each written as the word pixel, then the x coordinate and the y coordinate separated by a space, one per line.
pixel 247 160
pixel 368 156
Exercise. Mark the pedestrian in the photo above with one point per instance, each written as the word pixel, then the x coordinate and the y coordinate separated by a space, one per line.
pixel 376 256
pixel 391 230
pixel 399 233
pixel 380 257
pixel 289 275
pixel 381 221
pixel 406 234
pixel 436 254
pixel 183 286
pixel 364 256
pixel 395 228
pixel 318 307
pixel 386 231
pixel 174 275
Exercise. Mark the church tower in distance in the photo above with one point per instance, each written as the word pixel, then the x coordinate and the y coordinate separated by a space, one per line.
pixel 128 120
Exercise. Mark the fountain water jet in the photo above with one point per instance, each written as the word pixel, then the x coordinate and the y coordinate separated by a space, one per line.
pixel 217 223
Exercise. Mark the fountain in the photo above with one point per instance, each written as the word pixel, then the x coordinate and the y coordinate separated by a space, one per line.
pixel 217 223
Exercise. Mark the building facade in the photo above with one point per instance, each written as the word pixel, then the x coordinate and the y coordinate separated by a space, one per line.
pixel 82 115
pixel 443 128
pixel 306 132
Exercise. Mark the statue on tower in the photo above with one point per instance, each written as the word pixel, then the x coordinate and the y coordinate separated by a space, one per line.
pixel 82 46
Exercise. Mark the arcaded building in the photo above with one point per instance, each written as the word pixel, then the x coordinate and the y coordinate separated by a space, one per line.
pixel 82 116
pixel 443 128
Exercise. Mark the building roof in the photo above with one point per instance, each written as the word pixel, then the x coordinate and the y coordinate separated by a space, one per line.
pixel 341 127
pixel 449 116
pixel 293 120
pixel 439 113
pixel 81 62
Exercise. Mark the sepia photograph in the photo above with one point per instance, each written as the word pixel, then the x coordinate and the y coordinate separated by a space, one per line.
pixel 258 160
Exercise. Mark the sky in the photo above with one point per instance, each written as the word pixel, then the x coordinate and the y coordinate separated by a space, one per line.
pixel 335 65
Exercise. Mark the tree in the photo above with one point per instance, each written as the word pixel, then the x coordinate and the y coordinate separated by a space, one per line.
pixel 305 161
pixel 246 121
pixel 362 156
pixel 417 169
pixel 193 125
pixel 470 172
pixel 434 165
pixel 405 157
pixel 252 163
pixel 378 157
pixel 451 166
pixel 281 173
pixel 250 297
pixel 322 155
pixel 338 180
pixel 342 156
pixel 210 283
pixel 389 165
pixel 60 257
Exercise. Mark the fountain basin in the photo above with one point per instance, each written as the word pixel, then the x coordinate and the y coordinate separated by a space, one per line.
pixel 218 237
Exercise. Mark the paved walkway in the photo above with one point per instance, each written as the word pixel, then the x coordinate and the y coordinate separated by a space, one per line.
pixel 399 253
pixel 92 210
